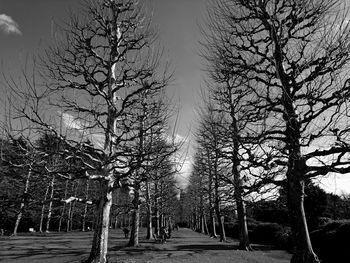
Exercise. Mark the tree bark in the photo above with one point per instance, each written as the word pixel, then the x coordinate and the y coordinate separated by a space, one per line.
pixel 212 224
pixel 63 208
pixel 85 206
pixel 156 210
pixel 43 210
pixel 211 205
pixel 218 211
pixel 50 205
pixel 244 243
pixel 134 234
pixel 98 253
pixel 149 212
pixel 303 251
pixel 206 230
pixel 69 216
pixel 23 200
pixel 74 203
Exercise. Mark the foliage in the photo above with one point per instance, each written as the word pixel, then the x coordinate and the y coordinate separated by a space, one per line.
pixel 330 241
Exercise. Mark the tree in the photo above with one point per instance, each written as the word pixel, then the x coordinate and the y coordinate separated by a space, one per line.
pixel 94 76
pixel 292 56
pixel 210 164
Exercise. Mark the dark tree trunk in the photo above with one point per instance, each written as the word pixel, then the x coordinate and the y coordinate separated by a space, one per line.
pixel 156 209
pixel 206 230
pixel 303 251
pixel 244 243
pixel 135 223
pixel 149 212
pixel 212 224
pixel 211 205
pixel 63 208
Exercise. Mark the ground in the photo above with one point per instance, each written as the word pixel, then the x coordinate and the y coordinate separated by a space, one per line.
pixel 185 246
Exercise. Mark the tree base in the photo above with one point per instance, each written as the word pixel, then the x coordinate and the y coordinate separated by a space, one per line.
pixel 245 247
pixel 305 258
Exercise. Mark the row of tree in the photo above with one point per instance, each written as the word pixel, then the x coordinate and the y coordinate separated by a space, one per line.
pixel 32 197
pixel 276 108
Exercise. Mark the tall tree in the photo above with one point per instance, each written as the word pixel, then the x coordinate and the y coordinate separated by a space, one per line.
pixel 94 75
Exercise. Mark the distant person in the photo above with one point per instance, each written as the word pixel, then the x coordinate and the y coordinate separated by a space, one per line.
pixel 163 234
pixel 177 227
pixel 126 232
pixel 169 231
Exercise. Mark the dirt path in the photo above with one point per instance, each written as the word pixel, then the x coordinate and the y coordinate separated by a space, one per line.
pixel 184 246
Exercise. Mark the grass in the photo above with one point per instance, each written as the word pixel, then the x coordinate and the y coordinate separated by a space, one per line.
pixel 184 246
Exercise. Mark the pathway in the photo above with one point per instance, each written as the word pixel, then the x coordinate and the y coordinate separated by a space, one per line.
pixel 185 246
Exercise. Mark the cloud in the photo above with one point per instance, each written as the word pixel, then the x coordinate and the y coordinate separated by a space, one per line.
pixel 8 25
pixel 71 122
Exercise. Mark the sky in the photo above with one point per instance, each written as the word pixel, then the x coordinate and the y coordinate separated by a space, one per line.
pixel 26 28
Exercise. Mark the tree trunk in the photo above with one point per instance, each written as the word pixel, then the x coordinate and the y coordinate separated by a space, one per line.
pixel 303 251
pixel 50 205
pixel 156 210
pixel 211 205
pixel 43 210
pixel 206 230
pixel 69 216
pixel 202 224
pixel 244 243
pixel 134 234
pixel 212 224
pixel 74 203
pixel 221 225
pixel 149 212
pixel 85 206
pixel 98 253
pixel 23 200
pixel 218 212
pixel 63 208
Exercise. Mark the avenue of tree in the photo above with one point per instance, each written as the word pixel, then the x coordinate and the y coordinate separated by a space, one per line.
pixel 92 138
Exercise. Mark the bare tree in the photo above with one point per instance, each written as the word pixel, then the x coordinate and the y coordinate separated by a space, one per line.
pixel 94 77
pixel 292 57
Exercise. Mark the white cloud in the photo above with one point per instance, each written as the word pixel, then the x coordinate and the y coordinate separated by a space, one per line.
pixel 184 172
pixel 70 122
pixel 335 183
pixel 8 25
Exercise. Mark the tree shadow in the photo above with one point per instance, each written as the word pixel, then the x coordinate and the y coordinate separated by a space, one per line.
pixel 200 247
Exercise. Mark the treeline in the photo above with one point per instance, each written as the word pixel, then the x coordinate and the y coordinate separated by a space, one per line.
pixel 35 197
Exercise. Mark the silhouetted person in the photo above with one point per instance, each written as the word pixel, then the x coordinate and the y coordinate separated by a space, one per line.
pixel 126 232
pixel 169 231
pixel 163 234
